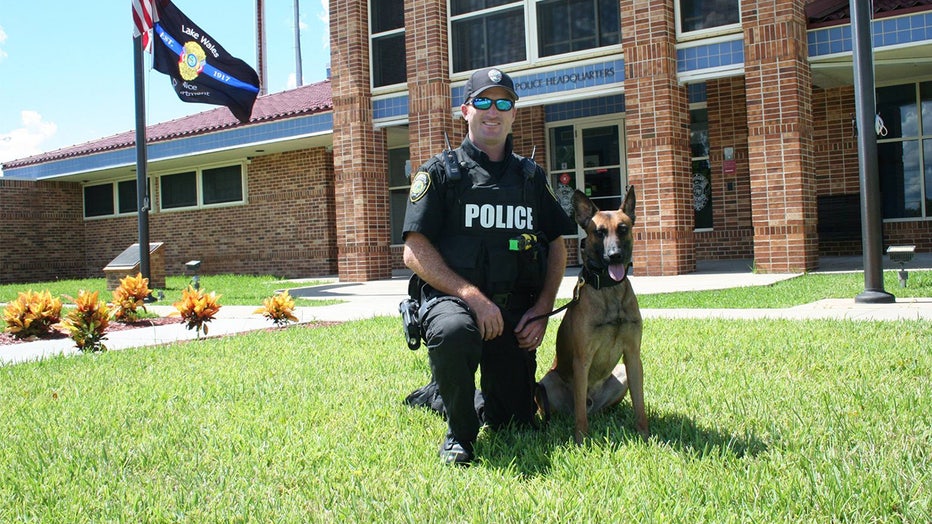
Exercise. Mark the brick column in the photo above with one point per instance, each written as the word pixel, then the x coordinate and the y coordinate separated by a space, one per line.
pixel 657 131
pixel 430 113
pixel 779 92
pixel 359 151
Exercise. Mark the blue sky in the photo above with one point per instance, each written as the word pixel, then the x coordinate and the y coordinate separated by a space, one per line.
pixel 66 68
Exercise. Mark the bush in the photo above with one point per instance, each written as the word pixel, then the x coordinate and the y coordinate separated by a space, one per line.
pixel 197 308
pixel 130 297
pixel 87 322
pixel 278 308
pixel 32 314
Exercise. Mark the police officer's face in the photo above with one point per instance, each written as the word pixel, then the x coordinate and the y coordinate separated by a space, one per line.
pixel 488 128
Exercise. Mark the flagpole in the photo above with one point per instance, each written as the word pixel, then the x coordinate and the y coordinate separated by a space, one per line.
pixel 142 188
pixel 868 169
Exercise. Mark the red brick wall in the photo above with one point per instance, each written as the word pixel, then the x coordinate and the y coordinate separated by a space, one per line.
pixel 657 122
pixel 41 231
pixel 778 90
pixel 835 145
pixel 733 234
pixel 286 229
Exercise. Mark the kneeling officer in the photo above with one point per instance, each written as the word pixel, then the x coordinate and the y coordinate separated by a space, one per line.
pixel 483 235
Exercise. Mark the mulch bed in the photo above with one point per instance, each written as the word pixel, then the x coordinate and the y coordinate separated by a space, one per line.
pixel 6 338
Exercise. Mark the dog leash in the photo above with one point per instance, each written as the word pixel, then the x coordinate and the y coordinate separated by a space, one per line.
pixel 579 284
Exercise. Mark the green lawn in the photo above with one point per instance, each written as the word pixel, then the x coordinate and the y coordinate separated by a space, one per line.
pixel 752 421
pixel 803 289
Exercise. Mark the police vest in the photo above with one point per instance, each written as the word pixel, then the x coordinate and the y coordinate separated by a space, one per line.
pixel 481 221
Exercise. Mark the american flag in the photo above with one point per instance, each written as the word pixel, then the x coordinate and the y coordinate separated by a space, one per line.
pixel 144 17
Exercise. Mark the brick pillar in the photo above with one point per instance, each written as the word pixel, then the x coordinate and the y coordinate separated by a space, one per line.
pixel 359 151
pixel 657 130
pixel 779 93
pixel 430 113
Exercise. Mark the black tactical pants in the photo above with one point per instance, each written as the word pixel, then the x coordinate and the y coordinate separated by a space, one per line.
pixel 456 350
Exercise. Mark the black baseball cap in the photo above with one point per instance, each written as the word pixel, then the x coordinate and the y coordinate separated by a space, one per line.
pixel 486 79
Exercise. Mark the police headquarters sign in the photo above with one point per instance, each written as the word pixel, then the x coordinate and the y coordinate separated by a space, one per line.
pixel 565 79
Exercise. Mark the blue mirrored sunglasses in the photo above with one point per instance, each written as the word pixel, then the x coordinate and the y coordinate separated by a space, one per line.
pixel 502 104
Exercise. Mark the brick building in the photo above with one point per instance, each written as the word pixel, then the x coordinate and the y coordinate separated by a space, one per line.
pixel 733 119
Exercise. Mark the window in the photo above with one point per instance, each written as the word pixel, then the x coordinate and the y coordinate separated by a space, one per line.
pixel 179 190
pixel 702 169
pixel 904 150
pixel 98 200
pixel 388 42
pixel 222 185
pixel 204 187
pixel 102 199
pixel 127 196
pixel 706 15
pixel 487 33
pixel 564 26
pixel 399 184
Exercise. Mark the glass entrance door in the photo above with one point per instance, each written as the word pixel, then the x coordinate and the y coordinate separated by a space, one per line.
pixel 589 156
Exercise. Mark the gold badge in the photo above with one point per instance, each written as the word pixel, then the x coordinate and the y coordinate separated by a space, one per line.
pixel 419 185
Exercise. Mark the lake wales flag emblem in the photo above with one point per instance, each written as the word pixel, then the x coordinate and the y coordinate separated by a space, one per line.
pixel 201 70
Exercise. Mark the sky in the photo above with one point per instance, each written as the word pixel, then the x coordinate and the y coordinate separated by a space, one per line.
pixel 66 68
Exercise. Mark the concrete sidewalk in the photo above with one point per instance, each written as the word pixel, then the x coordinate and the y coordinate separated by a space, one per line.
pixel 381 298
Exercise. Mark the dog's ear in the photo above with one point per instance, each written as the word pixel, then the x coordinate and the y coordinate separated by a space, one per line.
pixel 583 208
pixel 627 207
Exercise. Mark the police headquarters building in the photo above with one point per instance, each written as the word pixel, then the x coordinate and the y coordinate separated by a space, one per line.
pixel 733 119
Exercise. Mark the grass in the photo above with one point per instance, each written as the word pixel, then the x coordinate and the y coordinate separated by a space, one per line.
pixel 804 289
pixel 752 421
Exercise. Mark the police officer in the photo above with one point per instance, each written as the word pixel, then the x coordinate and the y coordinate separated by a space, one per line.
pixel 483 233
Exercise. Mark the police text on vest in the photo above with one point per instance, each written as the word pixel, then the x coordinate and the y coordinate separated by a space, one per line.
pixel 499 216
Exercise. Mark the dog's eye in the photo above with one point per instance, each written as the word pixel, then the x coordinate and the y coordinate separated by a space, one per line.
pixel 622 230
pixel 601 232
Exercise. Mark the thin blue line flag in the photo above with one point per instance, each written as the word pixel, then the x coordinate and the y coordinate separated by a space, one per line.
pixel 200 68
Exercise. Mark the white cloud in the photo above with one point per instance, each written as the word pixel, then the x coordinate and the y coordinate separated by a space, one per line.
pixel 324 16
pixel 2 41
pixel 26 140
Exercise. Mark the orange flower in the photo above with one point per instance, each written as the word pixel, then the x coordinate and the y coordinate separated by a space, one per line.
pixel 278 308
pixel 197 308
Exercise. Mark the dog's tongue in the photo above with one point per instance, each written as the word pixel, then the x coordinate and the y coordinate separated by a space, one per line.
pixel 617 272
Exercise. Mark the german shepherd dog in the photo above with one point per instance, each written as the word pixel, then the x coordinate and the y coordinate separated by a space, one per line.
pixel 601 325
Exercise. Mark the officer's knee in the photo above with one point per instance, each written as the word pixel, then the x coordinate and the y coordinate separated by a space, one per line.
pixel 452 327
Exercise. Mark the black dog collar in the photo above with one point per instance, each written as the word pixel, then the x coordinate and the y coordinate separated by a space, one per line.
pixel 600 278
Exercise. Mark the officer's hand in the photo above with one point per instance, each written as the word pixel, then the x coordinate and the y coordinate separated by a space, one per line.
pixel 530 334
pixel 488 317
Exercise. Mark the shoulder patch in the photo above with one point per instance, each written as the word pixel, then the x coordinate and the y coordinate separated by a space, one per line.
pixel 419 185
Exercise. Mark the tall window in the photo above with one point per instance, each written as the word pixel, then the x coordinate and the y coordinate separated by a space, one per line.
pixel 388 42
pixel 706 15
pixel 399 184
pixel 202 187
pixel 564 26
pixel 904 150
pixel 702 170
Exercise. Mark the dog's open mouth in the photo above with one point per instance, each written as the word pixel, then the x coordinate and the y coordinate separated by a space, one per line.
pixel 617 271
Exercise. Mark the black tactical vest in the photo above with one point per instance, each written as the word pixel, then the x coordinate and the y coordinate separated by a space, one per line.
pixel 482 220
